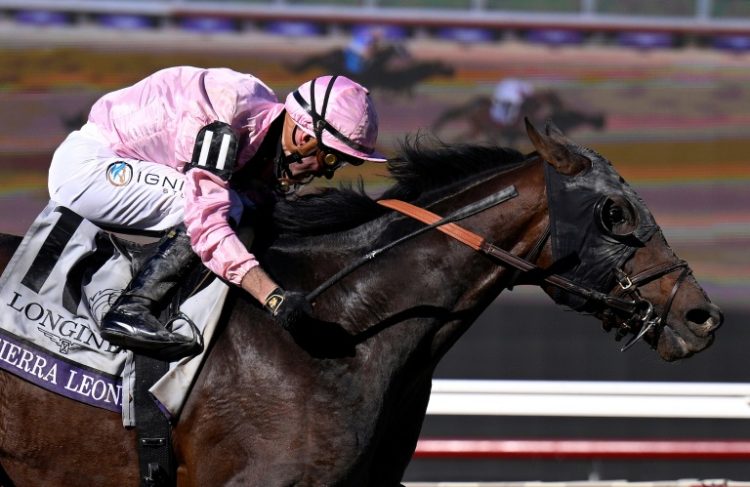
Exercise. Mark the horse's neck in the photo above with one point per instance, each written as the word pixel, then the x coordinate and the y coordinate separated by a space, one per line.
pixel 465 280
pixel 427 282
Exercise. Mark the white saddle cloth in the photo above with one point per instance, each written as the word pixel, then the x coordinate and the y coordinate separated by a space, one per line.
pixel 59 283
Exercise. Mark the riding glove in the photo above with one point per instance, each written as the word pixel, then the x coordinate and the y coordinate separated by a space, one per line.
pixel 289 308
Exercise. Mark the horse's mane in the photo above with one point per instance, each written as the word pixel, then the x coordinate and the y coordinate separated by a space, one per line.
pixel 420 171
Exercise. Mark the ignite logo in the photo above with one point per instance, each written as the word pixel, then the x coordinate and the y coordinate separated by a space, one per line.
pixel 119 173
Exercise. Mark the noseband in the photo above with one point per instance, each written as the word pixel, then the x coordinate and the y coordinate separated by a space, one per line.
pixel 648 320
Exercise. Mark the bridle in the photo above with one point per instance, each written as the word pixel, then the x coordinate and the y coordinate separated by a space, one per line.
pixel 638 314
pixel 629 286
pixel 625 305
pixel 639 320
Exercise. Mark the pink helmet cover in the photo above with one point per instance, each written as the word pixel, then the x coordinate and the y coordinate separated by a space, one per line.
pixel 347 109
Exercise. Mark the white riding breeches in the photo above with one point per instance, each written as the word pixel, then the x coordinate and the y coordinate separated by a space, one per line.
pixel 88 178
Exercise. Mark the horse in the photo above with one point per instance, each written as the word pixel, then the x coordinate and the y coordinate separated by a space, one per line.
pixel 379 72
pixel 478 125
pixel 342 400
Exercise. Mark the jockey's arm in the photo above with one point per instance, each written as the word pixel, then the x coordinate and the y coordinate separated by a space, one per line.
pixel 258 284
pixel 207 209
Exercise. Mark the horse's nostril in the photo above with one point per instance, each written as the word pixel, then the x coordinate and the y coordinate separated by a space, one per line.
pixel 705 319
pixel 698 316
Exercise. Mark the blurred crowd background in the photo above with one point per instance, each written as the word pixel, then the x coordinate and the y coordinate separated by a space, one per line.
pixel 661 88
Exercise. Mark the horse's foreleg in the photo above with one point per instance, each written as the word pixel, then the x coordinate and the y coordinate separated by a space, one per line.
pixel 396 448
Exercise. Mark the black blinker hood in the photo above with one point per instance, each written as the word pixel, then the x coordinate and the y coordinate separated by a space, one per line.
pixel 577 238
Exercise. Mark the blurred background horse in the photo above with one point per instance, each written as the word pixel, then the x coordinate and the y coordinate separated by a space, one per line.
pixel 498 119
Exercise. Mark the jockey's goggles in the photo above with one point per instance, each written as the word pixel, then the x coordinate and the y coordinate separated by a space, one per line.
pixel 331 160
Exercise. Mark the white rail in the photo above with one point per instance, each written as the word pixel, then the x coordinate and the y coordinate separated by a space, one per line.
pixel 590 399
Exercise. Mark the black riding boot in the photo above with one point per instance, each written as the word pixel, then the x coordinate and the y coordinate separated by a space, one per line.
pixel 130 323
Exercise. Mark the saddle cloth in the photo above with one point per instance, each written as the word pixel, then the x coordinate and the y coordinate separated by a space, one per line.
pixel 58 284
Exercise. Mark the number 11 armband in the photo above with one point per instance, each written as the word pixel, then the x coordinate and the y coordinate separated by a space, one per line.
pixel 215 150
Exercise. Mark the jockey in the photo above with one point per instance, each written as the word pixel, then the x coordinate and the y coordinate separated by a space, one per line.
pixel 507 99
pixel 160 155
pixel 360 51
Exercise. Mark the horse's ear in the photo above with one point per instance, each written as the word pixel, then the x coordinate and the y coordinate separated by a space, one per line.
pixel 554 149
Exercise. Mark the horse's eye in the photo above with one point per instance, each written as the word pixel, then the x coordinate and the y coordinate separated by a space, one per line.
pixel 616 216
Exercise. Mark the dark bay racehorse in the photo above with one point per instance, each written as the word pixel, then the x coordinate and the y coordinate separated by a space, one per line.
pixel 342 403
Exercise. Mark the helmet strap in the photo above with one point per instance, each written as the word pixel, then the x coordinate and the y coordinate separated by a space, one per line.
pixel 282 172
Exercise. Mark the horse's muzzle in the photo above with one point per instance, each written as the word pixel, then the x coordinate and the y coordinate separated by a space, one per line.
pixel 695 332
pixel 705 320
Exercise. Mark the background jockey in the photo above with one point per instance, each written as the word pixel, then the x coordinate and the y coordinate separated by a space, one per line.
pixel 371 51
pixel 160 155
pixel 507 99
pixel 359 52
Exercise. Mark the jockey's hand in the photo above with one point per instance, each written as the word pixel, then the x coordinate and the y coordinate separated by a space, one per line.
pixel 290 309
